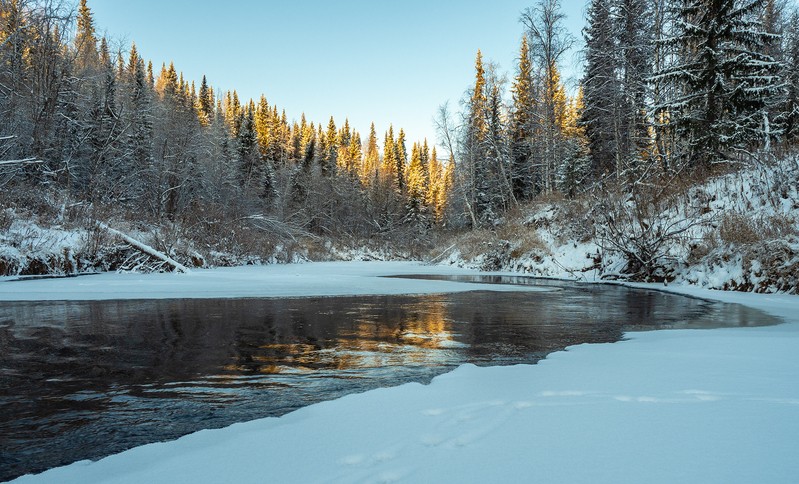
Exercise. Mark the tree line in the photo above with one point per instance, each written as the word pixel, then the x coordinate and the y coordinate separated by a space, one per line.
pixel 122 137
pixel 671 88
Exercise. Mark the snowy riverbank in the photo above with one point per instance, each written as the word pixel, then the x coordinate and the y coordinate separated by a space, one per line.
pixel 666 406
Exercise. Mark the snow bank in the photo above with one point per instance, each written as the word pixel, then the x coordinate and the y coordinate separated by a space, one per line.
pixel 663 407
pixel 741 233
pixel 26 247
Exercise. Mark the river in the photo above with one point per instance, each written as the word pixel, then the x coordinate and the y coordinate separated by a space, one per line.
pixel 82 380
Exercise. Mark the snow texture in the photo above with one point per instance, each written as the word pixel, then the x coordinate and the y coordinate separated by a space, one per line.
pixel 691 406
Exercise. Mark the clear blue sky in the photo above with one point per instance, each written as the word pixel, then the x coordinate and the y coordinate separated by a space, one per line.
pixel 369 60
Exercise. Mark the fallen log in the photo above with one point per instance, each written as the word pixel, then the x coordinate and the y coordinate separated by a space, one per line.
pixel 141 246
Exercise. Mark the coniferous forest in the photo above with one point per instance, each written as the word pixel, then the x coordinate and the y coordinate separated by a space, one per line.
pixel 672 93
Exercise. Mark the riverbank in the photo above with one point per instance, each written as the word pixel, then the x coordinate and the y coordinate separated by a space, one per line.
pixel 667 406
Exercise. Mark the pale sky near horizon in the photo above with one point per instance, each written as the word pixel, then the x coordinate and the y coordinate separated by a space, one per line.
pixel 387 62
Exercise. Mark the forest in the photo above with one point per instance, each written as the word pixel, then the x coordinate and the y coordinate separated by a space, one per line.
pixel 96 142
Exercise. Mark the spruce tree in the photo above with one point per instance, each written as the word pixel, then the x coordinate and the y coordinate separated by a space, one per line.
pixel 389 166
pixel 205 103
pixel 522 123
pixel 601 88
pixel 140 131
pixel 791 105
pixel 726 84
pixel 635 53
pixel 416 187
pixel 371 162
pixel 355 154
pixel 87 58
pixel 331 157
pixel 401 161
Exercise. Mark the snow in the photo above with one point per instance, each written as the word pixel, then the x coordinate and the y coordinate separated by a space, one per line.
pixel 289 280
pixel 686 406
pixel 759 204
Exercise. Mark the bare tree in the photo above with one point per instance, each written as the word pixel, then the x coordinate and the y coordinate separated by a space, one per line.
pixel 549 41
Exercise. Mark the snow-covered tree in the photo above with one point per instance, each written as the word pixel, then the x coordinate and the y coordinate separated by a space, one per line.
pixel 601 88
pixel 791 105
pixel 725 82
pixel 522 125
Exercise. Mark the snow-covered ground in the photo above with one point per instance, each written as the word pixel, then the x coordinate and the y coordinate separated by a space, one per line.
pixel 683 406
pixel 737 231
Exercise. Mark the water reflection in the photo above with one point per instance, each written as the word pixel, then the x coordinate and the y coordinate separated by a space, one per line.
pixel 85 379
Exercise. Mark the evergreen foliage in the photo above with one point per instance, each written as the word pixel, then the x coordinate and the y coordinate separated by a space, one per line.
pixel 726 83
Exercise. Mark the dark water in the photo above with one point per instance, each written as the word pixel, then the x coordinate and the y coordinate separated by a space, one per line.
pixel 81 380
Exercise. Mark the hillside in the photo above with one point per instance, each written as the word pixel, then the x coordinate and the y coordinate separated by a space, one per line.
pixel 738 231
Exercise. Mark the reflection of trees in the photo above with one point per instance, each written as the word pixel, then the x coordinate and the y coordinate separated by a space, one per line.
pixel 346 334
pixel 408 333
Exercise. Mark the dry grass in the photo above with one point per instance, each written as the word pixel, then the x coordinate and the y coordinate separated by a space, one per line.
pixel 523 239
pixel 514 238
pixel 739 229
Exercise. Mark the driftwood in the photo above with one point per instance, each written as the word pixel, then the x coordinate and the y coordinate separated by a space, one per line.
pixel 26 161
pixel 145 248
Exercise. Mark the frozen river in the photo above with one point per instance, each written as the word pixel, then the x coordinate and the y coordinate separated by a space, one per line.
pixel 82 380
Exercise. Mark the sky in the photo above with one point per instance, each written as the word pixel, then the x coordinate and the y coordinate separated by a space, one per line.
pixel 369 61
